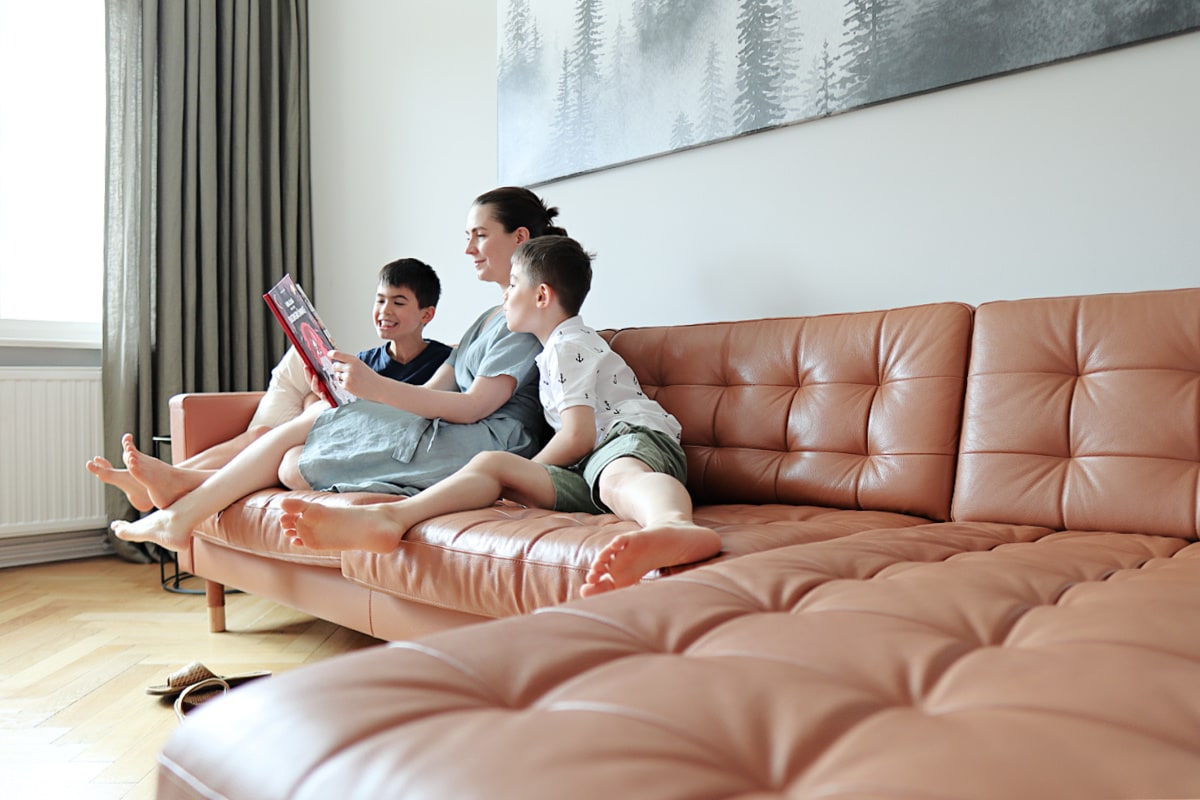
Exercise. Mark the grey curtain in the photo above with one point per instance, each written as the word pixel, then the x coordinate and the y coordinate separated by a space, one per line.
pixel 207 202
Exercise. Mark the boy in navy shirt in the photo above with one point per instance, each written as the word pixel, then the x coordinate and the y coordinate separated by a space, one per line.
pixel 405 302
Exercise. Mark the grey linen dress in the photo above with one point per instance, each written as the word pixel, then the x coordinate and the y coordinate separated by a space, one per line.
pixel 371 447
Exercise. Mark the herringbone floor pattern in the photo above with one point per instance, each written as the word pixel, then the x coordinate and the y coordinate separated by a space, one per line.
pixel 80 641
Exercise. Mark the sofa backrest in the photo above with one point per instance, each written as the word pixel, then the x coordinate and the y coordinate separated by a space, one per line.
pixel 1083 413
pixel 855 411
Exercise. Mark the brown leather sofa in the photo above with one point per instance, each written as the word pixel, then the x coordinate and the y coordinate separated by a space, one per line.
pixel 960 560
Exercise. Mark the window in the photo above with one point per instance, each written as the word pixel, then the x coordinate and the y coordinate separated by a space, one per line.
pixel 52 140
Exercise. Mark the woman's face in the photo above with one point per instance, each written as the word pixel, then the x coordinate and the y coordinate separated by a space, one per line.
pixel 490 246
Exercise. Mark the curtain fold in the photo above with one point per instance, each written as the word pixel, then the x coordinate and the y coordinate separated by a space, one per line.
pixel 207 205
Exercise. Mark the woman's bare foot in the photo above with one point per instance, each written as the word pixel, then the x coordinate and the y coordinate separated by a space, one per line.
pixel 163 482
pixel 161 527
pixel 377 528
pixel 138 496
pixel 629 556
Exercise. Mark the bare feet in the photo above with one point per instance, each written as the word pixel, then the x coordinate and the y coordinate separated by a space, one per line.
pixel 629 556
pixel 138 496
pixel 163 482
pixel 377 528
pixel 161 527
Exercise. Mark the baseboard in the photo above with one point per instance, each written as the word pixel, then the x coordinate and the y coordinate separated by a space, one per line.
pixel 18 551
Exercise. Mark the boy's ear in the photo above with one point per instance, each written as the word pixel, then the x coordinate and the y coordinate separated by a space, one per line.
pixel 545 295
pixel 427 314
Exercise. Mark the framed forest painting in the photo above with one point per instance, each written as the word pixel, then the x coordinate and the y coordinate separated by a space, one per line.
pixel 588 84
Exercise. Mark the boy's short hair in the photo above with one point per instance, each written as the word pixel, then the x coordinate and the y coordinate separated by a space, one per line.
pixel 414 275
pixel 561 263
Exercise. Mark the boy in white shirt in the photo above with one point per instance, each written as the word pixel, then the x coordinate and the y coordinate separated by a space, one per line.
pixel 614 449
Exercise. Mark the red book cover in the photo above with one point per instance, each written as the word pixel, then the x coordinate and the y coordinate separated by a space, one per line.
pixel 307 334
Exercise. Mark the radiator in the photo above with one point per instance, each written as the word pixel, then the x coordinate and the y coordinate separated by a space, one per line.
pixel 50 425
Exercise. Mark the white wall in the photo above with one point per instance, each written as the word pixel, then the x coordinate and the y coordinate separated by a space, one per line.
pixel 1075 178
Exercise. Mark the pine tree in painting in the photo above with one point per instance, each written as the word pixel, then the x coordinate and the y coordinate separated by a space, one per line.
pixel 520 51
pixel 562 150
pixel 585 66
pixel 758 69
pixel 790 38
pixel 868 24
pixel 714 114
pixel 820 82
pixel 683 132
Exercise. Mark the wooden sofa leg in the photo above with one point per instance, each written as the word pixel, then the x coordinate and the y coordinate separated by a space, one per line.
pixel 215 594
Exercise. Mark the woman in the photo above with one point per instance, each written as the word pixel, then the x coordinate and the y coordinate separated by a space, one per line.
pixel 398 438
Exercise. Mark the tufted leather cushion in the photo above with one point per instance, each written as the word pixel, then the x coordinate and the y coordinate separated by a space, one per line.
pixel 251 525
pixel 796 430
pixel 511 560
pixel 964 660
pixel 1084 412
pixel 855 411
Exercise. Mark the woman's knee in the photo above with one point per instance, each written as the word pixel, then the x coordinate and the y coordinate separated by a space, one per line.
pixel 289 471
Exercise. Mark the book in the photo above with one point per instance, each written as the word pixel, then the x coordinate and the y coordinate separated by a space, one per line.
pixel 308 335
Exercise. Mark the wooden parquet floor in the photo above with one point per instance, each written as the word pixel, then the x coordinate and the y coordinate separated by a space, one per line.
pixel 79 643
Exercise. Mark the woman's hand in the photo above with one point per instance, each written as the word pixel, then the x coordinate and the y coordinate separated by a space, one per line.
pixel 355 376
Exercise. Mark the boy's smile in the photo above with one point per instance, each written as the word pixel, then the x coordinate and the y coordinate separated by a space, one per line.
pixel 398 316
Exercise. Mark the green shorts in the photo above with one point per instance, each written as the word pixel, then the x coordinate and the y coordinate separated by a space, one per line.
pixel 577 488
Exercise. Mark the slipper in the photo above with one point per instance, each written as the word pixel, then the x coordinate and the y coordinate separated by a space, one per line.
pixel 195 673
pixel 198 693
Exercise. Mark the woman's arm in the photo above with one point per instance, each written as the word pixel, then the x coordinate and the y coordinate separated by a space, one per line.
pixel 435 399
pixel 574 441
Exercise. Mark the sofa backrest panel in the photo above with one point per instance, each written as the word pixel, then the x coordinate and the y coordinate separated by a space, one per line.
pixel 1083 413
pixel 855 411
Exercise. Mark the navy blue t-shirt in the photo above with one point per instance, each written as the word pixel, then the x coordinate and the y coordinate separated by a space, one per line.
pixel 417 371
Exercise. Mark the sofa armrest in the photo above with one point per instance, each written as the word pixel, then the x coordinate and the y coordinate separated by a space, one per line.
pixel 201 420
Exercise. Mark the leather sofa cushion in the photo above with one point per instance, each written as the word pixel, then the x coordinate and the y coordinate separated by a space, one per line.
pixel 1081 412
pixel 251 525
pixel 855 411
pixel 950 660
pixel 510 560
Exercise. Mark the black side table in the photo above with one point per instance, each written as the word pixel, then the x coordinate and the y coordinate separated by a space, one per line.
pixel 173 582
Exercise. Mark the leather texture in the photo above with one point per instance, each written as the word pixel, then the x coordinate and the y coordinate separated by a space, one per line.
pixel 1081 412
pixel 857 411
pixel 964 660
pixel 1042 644
pixel 803 429
pixel 512 560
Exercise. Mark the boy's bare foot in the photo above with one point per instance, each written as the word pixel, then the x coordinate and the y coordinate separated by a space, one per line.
pixel 163 482
pixel 161 527
pixel 377 528
pixel 629 556
pixel 138 496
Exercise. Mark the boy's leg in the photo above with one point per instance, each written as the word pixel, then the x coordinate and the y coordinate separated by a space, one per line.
pixel 668 536
pixel 379 528
pixel 256 467
pixel 289 470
